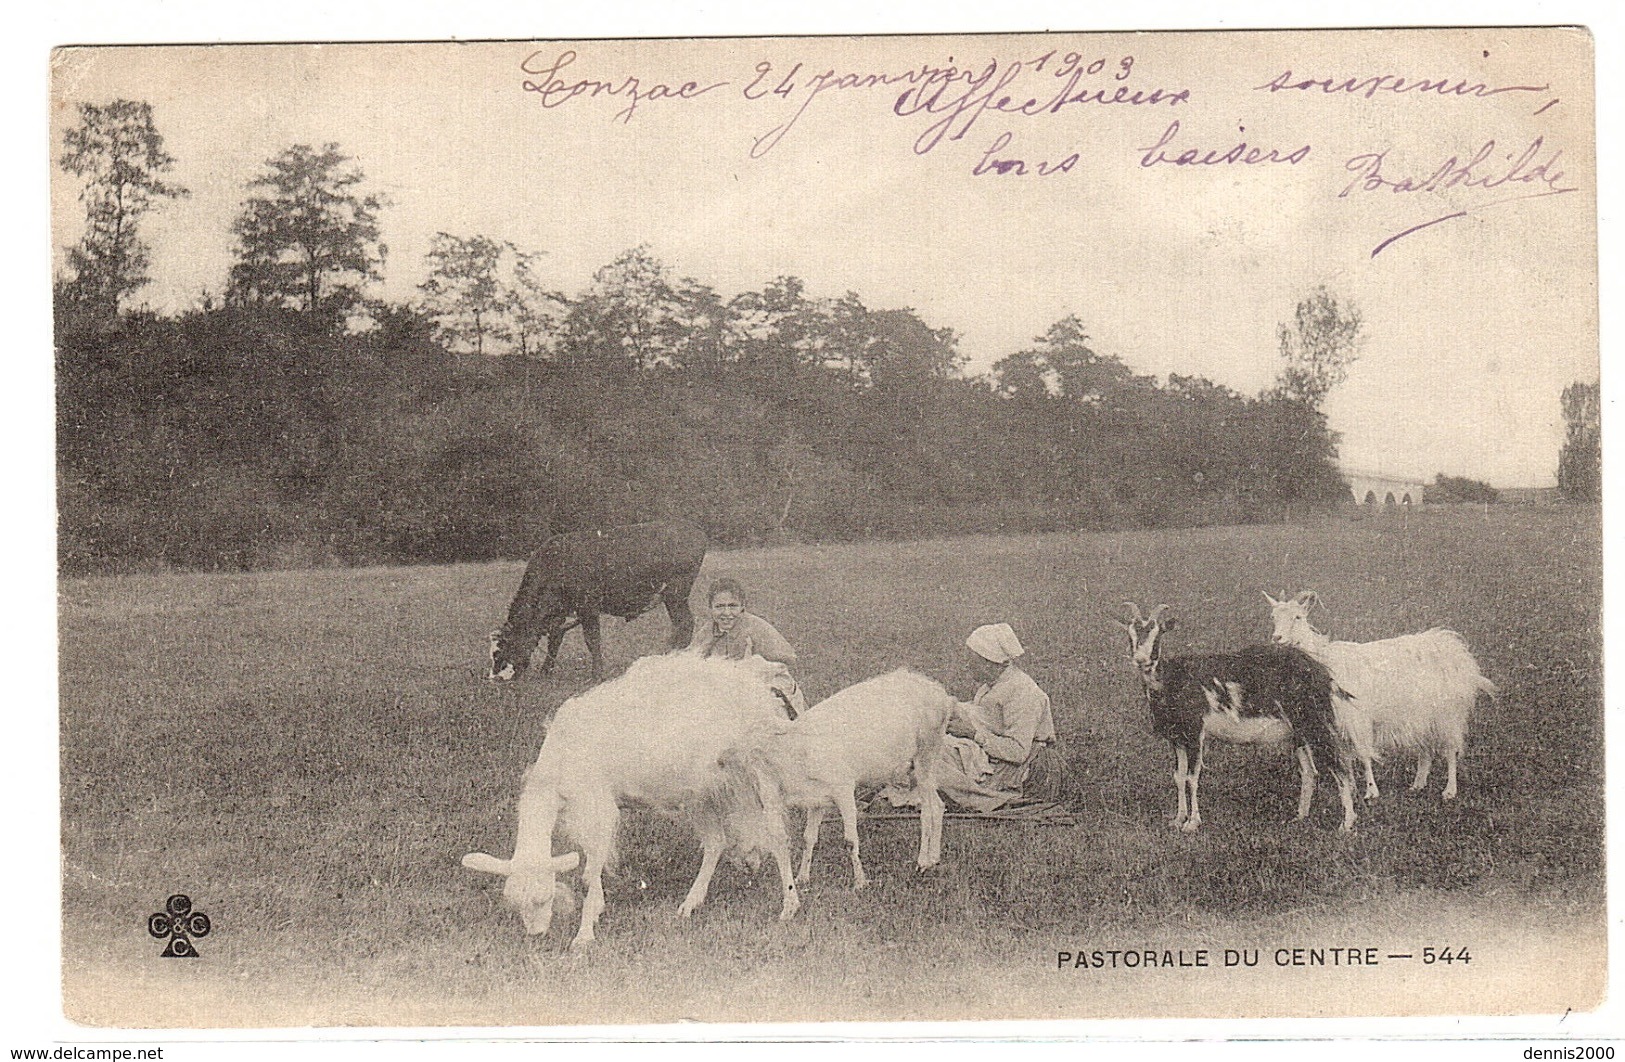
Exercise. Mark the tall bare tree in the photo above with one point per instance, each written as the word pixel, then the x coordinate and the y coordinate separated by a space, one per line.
pixel 1579 466
pixel 1318 347
pixel 312 243
pixel 631 311
pixel 486 296
pixel 464 291
pixel 117 150
pixel 535 311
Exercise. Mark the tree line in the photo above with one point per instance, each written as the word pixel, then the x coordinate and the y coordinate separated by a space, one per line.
pixel 295 419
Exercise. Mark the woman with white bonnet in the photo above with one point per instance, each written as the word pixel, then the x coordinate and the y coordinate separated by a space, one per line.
pixel 1005 737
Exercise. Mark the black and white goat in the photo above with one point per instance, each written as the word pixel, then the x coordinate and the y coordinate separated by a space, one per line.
pixel 1263 694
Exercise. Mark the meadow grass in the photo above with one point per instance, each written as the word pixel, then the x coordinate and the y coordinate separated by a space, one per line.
pixel 308 755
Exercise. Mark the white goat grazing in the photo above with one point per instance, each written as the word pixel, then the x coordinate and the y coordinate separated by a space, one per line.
pixel 888 729
pixel 656 736
pixel 1413 693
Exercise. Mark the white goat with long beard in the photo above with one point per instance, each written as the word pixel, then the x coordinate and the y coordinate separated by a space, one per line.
pixel 657 737
pixel 1414 693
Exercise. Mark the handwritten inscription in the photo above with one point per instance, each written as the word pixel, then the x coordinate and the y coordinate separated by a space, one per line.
pixel 945 100
pixel 1241 154
pixel 1392 83
pixel 1018 167
pixel 952 97
pixel 813 85
pixel 1477 172
pixel 1526 174
pixel 958 97
pixel 555 91
pixel 961 109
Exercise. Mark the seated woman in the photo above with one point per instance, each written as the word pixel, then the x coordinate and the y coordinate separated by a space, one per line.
pixel 734 634
pixel 1004 739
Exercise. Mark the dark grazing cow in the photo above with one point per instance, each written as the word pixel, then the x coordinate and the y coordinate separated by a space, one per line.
pixel 575 578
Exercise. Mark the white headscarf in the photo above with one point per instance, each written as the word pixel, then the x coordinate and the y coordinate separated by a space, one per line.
pixel 995 642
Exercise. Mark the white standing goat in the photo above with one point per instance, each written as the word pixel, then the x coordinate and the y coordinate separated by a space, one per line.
pixel 887 729
pixel 655 737
pixel 1414 693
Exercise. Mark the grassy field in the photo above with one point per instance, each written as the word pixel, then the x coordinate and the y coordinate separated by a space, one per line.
pixel 309 754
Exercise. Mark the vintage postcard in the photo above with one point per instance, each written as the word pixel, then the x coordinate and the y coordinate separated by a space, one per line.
pixel 1208 421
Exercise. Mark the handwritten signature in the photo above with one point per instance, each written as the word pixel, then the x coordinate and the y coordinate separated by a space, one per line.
pixel 1487 169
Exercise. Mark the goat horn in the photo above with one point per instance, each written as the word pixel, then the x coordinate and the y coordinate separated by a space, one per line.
pixel 1268 598
pixel 487 864
pixel 1138 617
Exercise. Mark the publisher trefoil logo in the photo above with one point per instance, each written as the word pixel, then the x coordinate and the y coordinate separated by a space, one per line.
pixel 180 924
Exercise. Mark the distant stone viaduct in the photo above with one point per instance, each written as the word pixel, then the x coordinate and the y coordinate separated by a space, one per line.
pixel 1371 488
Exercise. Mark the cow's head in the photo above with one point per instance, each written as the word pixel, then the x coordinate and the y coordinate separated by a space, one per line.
pixel 1145 638
pixel 508 658
pixel 1291 618
pixel 532 889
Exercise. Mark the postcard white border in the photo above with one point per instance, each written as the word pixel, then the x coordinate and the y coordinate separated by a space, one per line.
pixel 32 1000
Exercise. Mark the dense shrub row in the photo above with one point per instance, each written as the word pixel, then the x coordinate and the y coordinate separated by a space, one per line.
pixel 244 437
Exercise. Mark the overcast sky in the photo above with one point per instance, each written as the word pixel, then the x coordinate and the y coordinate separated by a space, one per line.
pixel 1474 324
